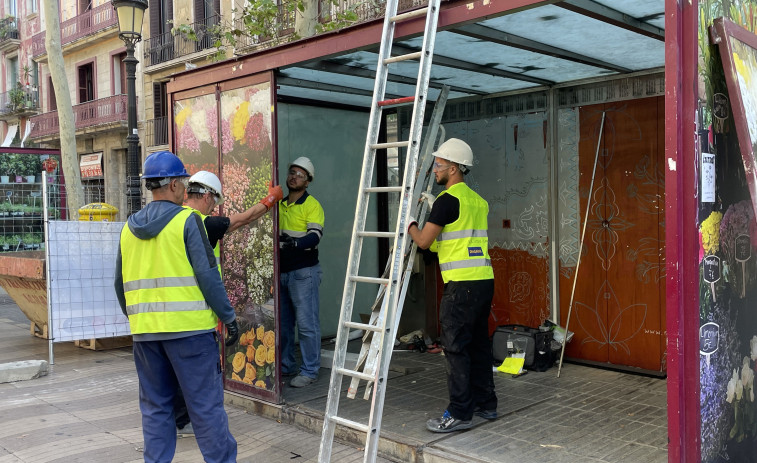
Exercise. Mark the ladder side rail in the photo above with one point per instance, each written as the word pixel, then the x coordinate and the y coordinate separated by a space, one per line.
pixel 388 334
pixel 366 177
pixel 423 182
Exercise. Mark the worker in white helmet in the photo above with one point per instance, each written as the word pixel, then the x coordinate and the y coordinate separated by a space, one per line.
pixel 301 221
pixel 204 193
pixel 457 231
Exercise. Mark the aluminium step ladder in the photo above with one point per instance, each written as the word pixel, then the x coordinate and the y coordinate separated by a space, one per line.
pixel 385 327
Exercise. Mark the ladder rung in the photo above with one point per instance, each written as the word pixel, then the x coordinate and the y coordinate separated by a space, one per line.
pixel 363 326
pixel 397 101
pixel 376 234
pixel 409 56
pixel 383 189
pixel 379 281
pixel 356 374
pixel 409 15
pixel 392 144
pixel 350 424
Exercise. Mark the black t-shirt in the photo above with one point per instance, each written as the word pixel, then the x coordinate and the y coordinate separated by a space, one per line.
pixel 446 210
pixel 216 228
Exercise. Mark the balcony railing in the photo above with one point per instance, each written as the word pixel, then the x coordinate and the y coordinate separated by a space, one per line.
pixel 19 100
pixel 167 46
pixel 328 11
pixel 8 29
pixel 86 115
pixel 91 21
pixel 156 131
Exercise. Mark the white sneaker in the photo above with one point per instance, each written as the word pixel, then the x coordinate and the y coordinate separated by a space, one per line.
pixel 186 431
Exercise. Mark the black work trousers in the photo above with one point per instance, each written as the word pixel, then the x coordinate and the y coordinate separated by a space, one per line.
pixel 464 316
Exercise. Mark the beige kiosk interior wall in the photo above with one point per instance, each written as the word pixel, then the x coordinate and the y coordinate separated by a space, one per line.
pixel 334 139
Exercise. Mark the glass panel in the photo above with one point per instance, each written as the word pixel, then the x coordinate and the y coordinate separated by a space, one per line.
pixel 247 154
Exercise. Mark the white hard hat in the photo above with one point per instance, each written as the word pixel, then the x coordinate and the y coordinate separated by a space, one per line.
pixel 209 184
pixel 304 163
pixel 455 150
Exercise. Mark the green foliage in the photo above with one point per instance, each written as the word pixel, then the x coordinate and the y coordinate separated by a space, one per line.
pixel 16 96
pixel 268 21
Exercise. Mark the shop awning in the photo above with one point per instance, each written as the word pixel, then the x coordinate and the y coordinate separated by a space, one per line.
pixel 12 129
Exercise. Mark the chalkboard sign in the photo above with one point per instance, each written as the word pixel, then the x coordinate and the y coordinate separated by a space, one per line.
pixel 711 272
pixel 709 337
pixel 743 248
pixel 711 269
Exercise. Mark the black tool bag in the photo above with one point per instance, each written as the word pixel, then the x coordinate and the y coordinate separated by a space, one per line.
pixel 536 344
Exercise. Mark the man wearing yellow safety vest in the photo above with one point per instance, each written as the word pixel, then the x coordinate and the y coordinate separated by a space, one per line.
pixel 204 193
pixel 457 230
pixel 167 283
pixel 300 230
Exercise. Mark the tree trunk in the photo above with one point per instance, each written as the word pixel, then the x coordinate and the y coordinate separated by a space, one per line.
pixel 69 158
pixel 306 20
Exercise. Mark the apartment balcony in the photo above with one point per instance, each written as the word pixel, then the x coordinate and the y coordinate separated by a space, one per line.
pixel 167 48
pixel 330 14
pixel 9 39
pixel 97 116
pixel 81 26
pixel 19 102
pixel 156 131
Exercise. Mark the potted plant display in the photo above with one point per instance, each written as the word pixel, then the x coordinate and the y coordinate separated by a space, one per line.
pixel 4 172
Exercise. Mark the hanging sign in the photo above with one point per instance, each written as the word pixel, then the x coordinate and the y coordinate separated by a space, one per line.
pixel 711 273
pixel 709 336
pixel 743 253
pixel 708 178
pixel 91 165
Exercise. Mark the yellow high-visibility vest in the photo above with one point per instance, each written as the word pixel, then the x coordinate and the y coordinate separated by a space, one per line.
pixel 463 245
pixel 160 286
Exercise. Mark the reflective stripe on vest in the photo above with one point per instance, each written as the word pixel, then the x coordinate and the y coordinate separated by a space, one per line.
pixel 160 287
pixel 463 245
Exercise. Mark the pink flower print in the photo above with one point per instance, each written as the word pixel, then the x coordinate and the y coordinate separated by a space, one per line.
pixel 187 139
pixel 256 134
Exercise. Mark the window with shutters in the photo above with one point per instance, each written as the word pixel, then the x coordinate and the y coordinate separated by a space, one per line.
pixel 12 72
pixel 51 95
pixel 84 5
pixel 11 8
pixel 160 113
pixel 119 74
pixel 86 82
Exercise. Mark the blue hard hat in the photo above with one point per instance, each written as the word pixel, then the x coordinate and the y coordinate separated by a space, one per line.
pixel 163 164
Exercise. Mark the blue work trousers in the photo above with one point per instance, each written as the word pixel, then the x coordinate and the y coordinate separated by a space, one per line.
pixel 194 363
pixel 299 303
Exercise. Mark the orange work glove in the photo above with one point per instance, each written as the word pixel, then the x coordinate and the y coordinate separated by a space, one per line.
pixel 275 194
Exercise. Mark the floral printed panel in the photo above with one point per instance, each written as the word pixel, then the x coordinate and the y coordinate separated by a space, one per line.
pixel 196 131
pixel 246 147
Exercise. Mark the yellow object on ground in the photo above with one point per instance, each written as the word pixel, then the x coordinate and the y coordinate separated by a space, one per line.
pixel 512 365
pixel 97 212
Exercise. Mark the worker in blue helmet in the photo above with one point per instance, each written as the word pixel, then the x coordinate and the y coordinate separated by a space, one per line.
pixel 167 283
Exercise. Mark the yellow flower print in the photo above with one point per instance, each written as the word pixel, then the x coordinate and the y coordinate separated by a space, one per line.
pixel 182 117
pixel 239 121
pixel 238 362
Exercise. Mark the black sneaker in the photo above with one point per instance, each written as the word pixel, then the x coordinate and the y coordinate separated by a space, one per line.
pixel 486 414
pixel 447 423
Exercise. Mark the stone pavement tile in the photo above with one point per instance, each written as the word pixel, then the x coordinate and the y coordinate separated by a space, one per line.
pixel 114 453
pixel 30 424
pixel 639 453
pixel 67 448
pixel 599 449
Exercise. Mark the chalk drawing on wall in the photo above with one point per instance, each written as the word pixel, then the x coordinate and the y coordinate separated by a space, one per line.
pixel 623 323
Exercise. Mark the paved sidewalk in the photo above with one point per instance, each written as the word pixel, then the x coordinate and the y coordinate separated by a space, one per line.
pixel 87 410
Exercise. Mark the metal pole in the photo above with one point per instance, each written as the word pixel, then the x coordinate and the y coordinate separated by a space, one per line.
pixel 581 244
pixel 45 220
pixel 132 139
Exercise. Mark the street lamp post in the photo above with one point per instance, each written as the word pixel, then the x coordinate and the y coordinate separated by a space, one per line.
pixel 130 14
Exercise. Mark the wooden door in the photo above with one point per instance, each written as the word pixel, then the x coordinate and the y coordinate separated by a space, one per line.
pixel 618 314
